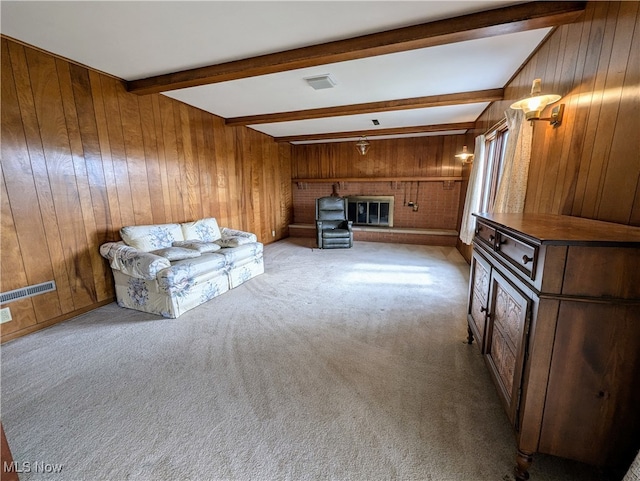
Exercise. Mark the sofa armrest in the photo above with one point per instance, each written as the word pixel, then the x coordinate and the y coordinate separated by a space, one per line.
pixel 231 233
pixel 133 262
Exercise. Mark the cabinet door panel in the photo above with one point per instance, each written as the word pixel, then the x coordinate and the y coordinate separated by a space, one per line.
pixel 478 299
pixel 591 409
pixel 506 339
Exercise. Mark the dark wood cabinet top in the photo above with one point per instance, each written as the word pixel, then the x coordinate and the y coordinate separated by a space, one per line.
pixel 564 229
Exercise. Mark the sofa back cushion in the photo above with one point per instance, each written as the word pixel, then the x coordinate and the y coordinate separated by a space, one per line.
pixel 151 237
pixel 205 230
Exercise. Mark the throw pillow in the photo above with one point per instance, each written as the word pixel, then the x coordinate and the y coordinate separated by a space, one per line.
pixel 205 230
pixel 150 237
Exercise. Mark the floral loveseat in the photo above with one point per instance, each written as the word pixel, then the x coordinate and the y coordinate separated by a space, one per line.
pixel 168 269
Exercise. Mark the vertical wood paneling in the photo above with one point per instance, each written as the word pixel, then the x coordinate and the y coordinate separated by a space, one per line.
pixel 135 157
pixel 110 190
pixel 602 121
pixel 12 269
pixel 69 246
pixel 113 118
pixel 34 237
pixel 622 174
pixel 88 132
pixel 81 158
pixel 152 159
pixel 633 110
pixel 161 153
pixel 411 157
pixel 86 278
pixel 590 165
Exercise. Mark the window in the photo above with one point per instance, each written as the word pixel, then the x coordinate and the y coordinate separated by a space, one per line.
pixel 495 146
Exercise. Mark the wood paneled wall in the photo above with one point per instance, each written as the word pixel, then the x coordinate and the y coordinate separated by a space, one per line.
pixel 417 157
pixel 81 158
pixel 411 157
pixel 590 165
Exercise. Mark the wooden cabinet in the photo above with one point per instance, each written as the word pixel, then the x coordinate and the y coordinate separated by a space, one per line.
pixel 554 305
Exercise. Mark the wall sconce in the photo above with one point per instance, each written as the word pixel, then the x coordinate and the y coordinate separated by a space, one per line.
pixel 362 145
pixel 465 156
pixel 535 103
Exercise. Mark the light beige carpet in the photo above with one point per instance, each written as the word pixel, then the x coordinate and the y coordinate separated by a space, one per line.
pixel 346 365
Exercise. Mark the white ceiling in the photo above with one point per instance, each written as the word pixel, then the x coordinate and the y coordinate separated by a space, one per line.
pixel 134 40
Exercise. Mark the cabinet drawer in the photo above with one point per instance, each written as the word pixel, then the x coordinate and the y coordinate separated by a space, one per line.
pixel 486 234
pixel 518 253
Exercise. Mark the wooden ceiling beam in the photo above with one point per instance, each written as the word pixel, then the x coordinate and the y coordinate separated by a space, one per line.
pixel 376 132
pixel 500 21
pixel 490 95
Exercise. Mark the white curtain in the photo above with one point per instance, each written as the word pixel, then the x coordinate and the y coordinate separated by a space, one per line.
pixel 512 187
pixel 474 192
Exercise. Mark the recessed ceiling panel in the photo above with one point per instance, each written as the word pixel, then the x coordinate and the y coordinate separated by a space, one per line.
pixel 466 66
pixel 381 137
pixel 137 39
pixel 393 119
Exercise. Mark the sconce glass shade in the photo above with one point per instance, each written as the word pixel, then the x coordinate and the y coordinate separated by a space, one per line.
pixel 533 105
pixel 465 156
pixel 362 145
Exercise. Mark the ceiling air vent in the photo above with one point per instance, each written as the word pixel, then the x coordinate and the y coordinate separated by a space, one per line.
pixel 320 82
pixel 28 291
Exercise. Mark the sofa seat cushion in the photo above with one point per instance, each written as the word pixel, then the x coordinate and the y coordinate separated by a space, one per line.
pixel 233 241
pixel 196 245
pixel 239 255
pixel 205 230
pixel 183 275
pixel 151 237
pixel 335 233
pixel 176 253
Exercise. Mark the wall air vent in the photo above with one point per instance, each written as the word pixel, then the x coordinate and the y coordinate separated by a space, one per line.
pixel 28 291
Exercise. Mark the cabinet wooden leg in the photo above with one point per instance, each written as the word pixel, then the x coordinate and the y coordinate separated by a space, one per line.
pixel 523 463
pixel 469 335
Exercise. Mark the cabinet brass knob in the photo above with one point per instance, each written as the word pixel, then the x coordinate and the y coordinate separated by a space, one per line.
pixel 526 259
pixel 483 309
pixel 492 238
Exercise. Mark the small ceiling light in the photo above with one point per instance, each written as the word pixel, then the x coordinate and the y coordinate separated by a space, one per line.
pixel 534 104
pixel 320 82
pixel 465 156
pixel 362 145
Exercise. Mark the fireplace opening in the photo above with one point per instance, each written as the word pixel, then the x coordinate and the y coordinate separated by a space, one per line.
pixel 372 210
